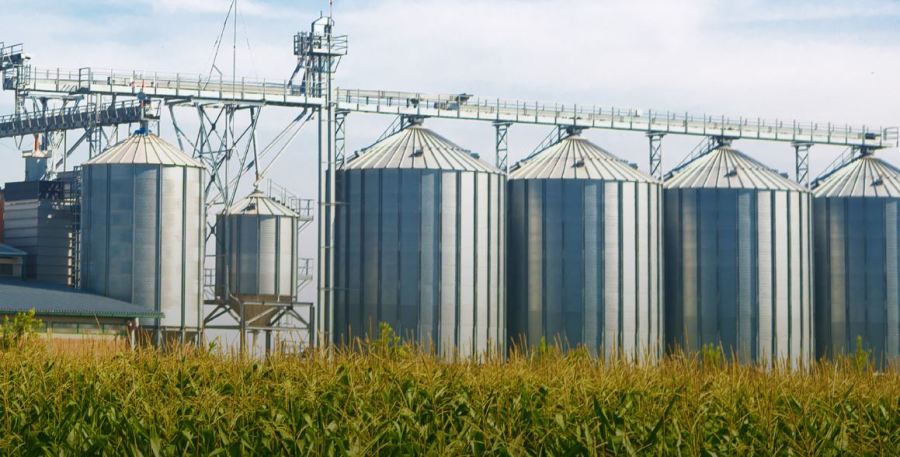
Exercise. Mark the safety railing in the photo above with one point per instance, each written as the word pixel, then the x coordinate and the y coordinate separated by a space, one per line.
pixel 467 107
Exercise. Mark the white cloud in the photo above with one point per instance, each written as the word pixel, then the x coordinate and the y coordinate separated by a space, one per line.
pixel 701 56
pixel 249 7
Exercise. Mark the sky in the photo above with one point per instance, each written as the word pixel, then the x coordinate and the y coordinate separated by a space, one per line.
pixel 824 61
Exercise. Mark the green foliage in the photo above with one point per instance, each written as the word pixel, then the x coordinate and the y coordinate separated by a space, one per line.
pixel 393 399
pixel 712 356
pixel 17 332
pixel 862 358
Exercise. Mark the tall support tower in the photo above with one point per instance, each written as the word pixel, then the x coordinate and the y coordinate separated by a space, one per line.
pixel 319 53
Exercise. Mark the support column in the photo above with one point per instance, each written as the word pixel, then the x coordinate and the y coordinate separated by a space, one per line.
pixel 340 137
pixel 501 146
pixel 326 196
pixel 801 163
pixel 655 139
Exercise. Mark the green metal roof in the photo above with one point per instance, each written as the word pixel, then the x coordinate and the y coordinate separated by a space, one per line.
pixel 9 251
pixel 57 300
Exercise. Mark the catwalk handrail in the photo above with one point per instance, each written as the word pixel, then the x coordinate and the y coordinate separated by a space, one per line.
pixel 171 86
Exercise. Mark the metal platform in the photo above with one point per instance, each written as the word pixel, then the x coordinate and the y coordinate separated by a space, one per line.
pixel 75 117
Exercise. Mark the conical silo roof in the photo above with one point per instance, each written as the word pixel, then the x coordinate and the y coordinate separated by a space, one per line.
pixel 144 149
pixel 258 204
pixel 417 147
pixel 577 158
pixel 866 176
pixel 727 168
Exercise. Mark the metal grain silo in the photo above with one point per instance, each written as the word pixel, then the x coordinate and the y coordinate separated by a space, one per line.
pixel 738 260
pixel 585 251
pixel 142 229
pixel 419 244
pixel 857 257
pixel 257 237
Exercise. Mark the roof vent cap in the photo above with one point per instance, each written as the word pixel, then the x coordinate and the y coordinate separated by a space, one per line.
pixel 579 163
pixel 418 152
pixel 732 172
pixel 877 182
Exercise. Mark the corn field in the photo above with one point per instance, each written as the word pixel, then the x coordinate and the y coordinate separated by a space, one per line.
pixel 385 398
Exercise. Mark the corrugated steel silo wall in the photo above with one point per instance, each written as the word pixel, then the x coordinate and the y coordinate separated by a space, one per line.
pixel 421 250
pixel 857 275
pixel 142 238
pixel 738 273
pixel 263 255
pixel 585 264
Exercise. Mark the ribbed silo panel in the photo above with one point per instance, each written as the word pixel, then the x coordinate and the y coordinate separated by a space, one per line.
pixel 425 215
pixel 465 309
pixel 736 264
pixel 536 254
pixel 552 301
pixel 673 319
pixel 482 263
pixel 172 246
pixel 449 245
pixel 267 249
pixel 194 245
pixel 146 244
pixel 796 270
pixel 409 240
pixel 285 257
pixel 612 269
pixel 643 313
pixel 119 245
pixel 655 336
pixel 727 246
pixel 429 258
pixel 892 278
pixel 745 260
pixel 353 246
pixel 246 265
pixel 581 265
pixel 493 228
pixel 689 265
pixel 765 279
pixel 371 252
pixel 593 269
pixel 571 323
pixel 855 271
pixel 95 236
pixel 857 266
pixel 628 267
pixel 389 249
pixel 838 292
pixel 143 242
pixel 426 255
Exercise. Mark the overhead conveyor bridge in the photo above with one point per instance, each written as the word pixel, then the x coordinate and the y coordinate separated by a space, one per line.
pixel 75 118
pixel 174 88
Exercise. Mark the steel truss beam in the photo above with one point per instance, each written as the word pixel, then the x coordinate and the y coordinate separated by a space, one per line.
pixel 501 145
pixel 340 137
pixel 655 140
pixel 801 163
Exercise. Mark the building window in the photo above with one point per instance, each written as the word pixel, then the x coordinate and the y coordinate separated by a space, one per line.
pixel 6 269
